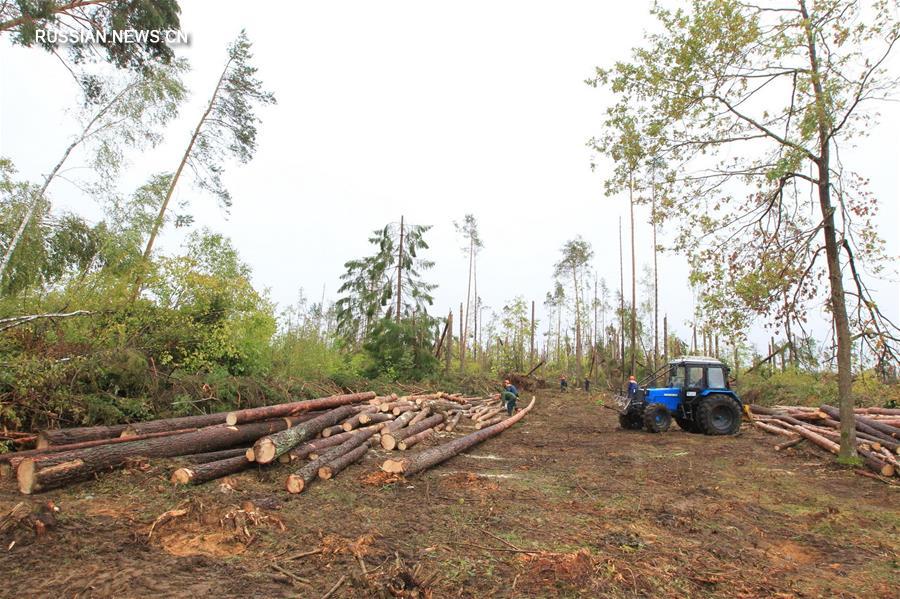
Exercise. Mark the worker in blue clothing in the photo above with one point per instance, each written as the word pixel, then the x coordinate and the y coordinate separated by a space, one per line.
pixel 632 386
pixel 509 396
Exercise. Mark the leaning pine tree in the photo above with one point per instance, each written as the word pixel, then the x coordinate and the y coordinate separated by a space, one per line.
pixel 744 109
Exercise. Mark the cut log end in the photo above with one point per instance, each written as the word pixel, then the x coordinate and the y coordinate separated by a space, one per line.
pixel 393 466
pixel 294 484
pixel 388 442
pixel 231 419
pixel 42 441
pixel 348 426
pixel 325 472
pixel 264 451
pixel 250 455
pixel 25 476
pixel 182 476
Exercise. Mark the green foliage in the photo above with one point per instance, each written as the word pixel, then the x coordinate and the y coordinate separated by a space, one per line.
pixel 229 127
pixel 401 351
pixel 811 388
pixel 369 288
pixel 25 18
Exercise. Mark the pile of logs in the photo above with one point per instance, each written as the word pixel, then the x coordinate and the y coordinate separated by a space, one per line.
pixel 877 431
pixel 318 437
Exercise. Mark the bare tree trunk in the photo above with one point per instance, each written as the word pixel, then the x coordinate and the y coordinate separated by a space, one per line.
pixel 531 353
pixel 400 271
pixel 30 209
pixel 838 299
pixel 633 279
pixel 465 321
pixel 160 218
pixel 578 364
pixel 665 346
pixel 621 302
pixel 448 349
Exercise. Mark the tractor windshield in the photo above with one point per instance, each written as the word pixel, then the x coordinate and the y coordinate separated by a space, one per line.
pixel 716 378
pixel 676 376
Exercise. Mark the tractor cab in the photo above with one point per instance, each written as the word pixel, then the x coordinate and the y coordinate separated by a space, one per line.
pixel 694 391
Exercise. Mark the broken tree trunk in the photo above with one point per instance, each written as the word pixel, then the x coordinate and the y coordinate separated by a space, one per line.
pixel 70 436
pixel 268 448
pixel 298 481
pixel 201 473
pixel 43 473
pixel 294 408
pixel 333 468
pixel 389 440
pixel 435 455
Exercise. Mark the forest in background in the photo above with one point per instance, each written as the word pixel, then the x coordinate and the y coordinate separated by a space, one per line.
pixel 97 326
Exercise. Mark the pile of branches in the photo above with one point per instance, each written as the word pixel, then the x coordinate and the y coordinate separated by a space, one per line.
pixel 877 431
pixel 318 437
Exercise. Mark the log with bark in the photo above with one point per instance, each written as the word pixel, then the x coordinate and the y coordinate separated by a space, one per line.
pixel 212 456
pixel 435 455
pixel 356 421
pixel 375 418
pixel 412 440
pixel 294 408
pixel 304 450
pixel 300 480
pixel 422 415
pixel 398 422
pixel 490 422
pixel 70 436
pixel 454 420
pixel 885 429
pixel 42 473
pixel 10 461
pixel 390 439
pixel 268 448
pixel 334 467
pixel 203 472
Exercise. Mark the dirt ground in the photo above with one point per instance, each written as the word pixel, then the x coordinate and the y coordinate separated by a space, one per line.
pixel 563 505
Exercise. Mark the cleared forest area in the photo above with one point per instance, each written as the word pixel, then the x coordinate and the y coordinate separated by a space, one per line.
pixel 563 504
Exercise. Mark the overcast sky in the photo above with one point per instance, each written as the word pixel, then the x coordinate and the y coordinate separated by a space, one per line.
pixel 427 110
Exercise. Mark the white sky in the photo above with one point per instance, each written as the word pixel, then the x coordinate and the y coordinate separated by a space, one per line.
pixel 430 110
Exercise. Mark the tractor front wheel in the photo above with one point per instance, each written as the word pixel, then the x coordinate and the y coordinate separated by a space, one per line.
pixel 657 418
pixel 719 415
pixel 630 421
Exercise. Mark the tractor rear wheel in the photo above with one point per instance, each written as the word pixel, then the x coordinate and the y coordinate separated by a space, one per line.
pixel 719 414
pixel 657 418
pixel 630 421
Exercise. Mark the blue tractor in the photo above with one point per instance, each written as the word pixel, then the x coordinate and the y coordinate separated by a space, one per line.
pixel 696 394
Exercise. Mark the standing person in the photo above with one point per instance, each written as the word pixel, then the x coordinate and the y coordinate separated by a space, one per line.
pixel 632 386
pixel 563 384
pixel 509 396
pixel 587 385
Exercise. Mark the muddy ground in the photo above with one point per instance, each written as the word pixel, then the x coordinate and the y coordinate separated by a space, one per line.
pixel 563 505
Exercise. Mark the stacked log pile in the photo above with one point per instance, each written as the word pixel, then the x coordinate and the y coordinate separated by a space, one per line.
pixel 319 438
pixel 877 431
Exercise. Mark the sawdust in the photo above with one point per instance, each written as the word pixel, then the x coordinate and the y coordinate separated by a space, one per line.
pixel 215 544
